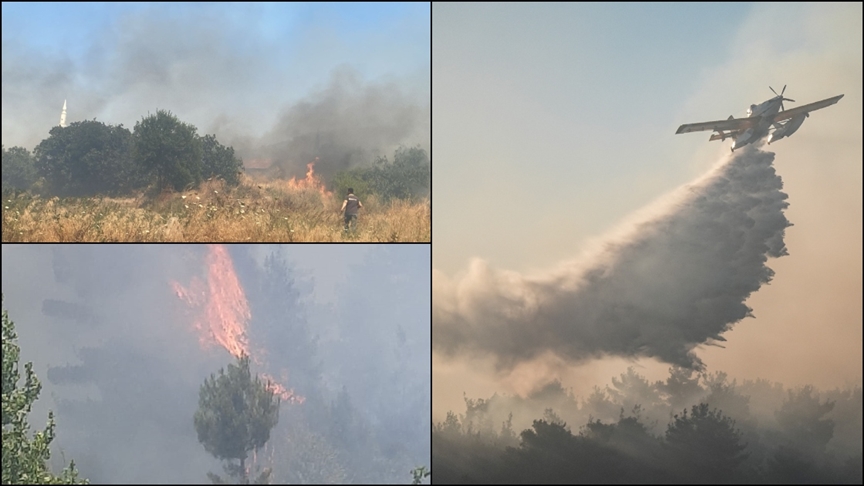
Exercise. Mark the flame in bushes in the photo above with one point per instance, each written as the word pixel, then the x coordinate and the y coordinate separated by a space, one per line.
pixel 311 181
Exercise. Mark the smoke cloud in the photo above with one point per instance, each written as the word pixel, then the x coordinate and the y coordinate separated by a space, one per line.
pixel 676 280
pixel 281 86
pixel 346 124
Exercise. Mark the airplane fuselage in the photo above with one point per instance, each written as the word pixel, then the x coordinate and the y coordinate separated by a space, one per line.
pixel 765 111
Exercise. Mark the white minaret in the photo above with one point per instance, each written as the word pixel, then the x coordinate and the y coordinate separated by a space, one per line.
pixel 63 115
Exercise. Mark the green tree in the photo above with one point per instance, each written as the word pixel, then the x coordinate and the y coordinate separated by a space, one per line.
pixel 350 179
pixel 235 415
pixel 705 445
pixel 19 171
pixel 408 176
pixel 25 460
pixel 88 158
pixel 168 149
pixel 219 161
pixel 414 164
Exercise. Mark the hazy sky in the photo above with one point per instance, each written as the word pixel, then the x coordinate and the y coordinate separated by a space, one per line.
pixel 327 265
pixel 555 123
pixel 234 69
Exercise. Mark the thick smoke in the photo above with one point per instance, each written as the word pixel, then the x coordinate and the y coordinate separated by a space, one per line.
pixel 676 281
pixel 284 99
pixel 346 124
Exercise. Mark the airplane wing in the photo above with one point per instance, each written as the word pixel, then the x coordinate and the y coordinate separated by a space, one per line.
pixel 719 125
pixel 785 115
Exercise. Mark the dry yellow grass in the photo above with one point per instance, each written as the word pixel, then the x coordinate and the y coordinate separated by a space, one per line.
pixel 262 212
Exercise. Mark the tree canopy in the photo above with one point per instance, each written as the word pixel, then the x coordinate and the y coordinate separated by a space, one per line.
pixel 408 176
pixel 762 438
pixel 706 444
pixel 25 459
pixel 19 171
pixel 219 161
pixel 170 149
pixel 235 415
pixel 88 158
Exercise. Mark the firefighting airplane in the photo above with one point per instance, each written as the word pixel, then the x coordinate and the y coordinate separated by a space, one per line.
pixel 761 119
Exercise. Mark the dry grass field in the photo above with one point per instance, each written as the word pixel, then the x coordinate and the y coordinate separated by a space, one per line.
pixel 274 211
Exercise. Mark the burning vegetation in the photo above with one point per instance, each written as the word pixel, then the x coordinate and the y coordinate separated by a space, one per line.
pixel 127 380
pixel 221 313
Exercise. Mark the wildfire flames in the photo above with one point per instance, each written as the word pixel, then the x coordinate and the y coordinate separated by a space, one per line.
pixel 311 181
pixel 222 312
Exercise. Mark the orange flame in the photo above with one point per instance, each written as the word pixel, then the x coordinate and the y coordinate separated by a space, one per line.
pixel 311 181
pixel 222 311
pixel 284 393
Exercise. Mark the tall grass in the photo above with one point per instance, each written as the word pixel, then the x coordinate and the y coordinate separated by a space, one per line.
pixel 263 212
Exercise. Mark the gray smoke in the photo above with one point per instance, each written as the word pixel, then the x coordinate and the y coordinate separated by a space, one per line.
pixel 676 281
pixel 346 124
pixel 214 68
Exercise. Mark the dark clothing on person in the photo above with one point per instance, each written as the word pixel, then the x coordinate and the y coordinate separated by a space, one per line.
pixel 353 205
pixel 350 221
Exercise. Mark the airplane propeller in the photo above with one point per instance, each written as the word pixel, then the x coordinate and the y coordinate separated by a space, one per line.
pixel 781 96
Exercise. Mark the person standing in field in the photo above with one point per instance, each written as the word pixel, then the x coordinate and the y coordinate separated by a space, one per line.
pixel 350 206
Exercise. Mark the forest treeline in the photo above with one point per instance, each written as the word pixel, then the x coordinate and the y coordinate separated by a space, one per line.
pixel 91 158
pixel 690 428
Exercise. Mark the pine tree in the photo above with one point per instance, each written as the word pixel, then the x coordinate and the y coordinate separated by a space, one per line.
pixel 235 415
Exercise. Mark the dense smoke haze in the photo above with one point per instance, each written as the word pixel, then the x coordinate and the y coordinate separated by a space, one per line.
pixel 121 355
pixel 629 432
pixel 283 85
pixel 674 280
pixel 346 124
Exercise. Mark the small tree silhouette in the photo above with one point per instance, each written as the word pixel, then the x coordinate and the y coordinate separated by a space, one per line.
pixel 705 446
